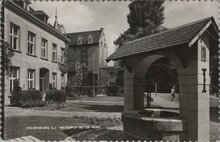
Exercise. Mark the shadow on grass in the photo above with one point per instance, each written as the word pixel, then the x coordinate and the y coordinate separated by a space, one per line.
pixel 103 108
pixel 102 134
pixel 70 132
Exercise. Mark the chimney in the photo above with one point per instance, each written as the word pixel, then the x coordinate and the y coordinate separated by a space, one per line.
pixel 102 29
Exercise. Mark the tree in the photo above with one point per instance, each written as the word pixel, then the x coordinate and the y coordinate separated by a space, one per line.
pixel 8 54
pixel 164 73
pixel 145 18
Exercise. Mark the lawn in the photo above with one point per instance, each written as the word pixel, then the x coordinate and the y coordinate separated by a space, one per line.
pixel 54 128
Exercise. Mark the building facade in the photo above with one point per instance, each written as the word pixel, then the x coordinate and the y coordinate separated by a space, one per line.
pixel 87 50
pixel 38 48
pixel 110 74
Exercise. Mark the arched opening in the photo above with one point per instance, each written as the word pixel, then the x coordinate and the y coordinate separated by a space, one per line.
pixel 44 79
pixel 162 87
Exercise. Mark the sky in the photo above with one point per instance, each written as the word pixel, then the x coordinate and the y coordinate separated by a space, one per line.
pixel 112 16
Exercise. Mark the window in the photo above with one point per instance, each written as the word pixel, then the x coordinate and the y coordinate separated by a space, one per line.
pixel 90 39
pixel 54 52
pixel 111 74
pixel 62 55
pixel 31 78
pixel 44 47
pixel 62 81
pixel 85 70
pixel 14 36
pixel 54 80
pixel 84 54
pixel 31 43
pixel 79 40
pixel 15 71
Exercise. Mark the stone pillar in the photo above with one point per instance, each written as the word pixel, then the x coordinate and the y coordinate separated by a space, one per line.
pixel 133 92
pixel 194 100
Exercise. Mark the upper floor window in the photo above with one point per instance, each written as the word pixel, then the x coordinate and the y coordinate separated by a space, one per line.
pixel 84 54
pixel 62 55
pixel 44 48
pixel 31 43
pixel 31 78
pixel 54 52
pixel 90 39
pixel 14 36
pixel 15 72
pixel 79 40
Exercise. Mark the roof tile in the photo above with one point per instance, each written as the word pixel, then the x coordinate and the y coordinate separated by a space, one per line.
pixel 176 36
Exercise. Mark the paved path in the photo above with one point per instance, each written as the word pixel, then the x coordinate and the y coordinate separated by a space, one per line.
pixel 24 139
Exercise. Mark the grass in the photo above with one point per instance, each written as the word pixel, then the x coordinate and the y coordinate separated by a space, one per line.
pixel 17 126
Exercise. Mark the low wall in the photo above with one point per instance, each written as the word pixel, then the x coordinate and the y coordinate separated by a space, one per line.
pixel 148 128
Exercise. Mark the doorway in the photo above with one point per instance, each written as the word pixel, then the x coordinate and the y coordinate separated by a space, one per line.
pixel 44 79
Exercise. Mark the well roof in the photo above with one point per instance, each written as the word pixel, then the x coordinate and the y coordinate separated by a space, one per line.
pixel 172 37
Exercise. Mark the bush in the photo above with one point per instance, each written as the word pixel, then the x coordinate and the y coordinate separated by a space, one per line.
pixel 31 98
pixel 33 103
pixel 15 94
pixel 72 96
pixel 112 91
pixel 55 95
pixel 51 105
pixel 31 94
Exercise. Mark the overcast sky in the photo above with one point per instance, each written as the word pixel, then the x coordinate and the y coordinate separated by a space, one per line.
pixel 112 16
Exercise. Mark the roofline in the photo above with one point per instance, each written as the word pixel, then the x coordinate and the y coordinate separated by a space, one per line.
pixel 152 35
pixel 150 50
pixel 84 32
pixel 211 21
pixel 75 45
pixel 207 25
pixel 13 7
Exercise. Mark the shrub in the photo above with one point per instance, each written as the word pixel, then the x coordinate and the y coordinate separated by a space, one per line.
pixel 72 96
pixel 51 105
pixel 33 103
pixel 111 91
pixel 15 94
pixel 31 98
pixel 31 94
pixel 55 95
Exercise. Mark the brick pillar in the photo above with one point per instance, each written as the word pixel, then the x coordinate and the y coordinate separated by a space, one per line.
pixel 133 92
pixel 194 102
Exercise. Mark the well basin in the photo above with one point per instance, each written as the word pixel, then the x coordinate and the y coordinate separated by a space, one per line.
pixel 154 124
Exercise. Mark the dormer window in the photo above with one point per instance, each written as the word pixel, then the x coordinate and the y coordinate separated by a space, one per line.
pixel 26 5
pixel 90 39
pixel 79 40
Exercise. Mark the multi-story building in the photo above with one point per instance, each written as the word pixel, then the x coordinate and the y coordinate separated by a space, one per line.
pixel 89 50
pixel 38 48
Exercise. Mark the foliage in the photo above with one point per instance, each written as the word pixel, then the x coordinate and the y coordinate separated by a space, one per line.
pixel 214 74
pixel 26 98
pixel 120 78
pixel 31 95
pixel 91 79
pixel 72 94
pixel 16 94
pixel 112 91
pixel 55 95
pixel 53 105
pixel 9 53
pixel 145 18
pixel 50 86
pixel 32 103
pixel 164 73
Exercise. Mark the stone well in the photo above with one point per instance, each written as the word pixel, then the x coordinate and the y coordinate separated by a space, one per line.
pixel 154 124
